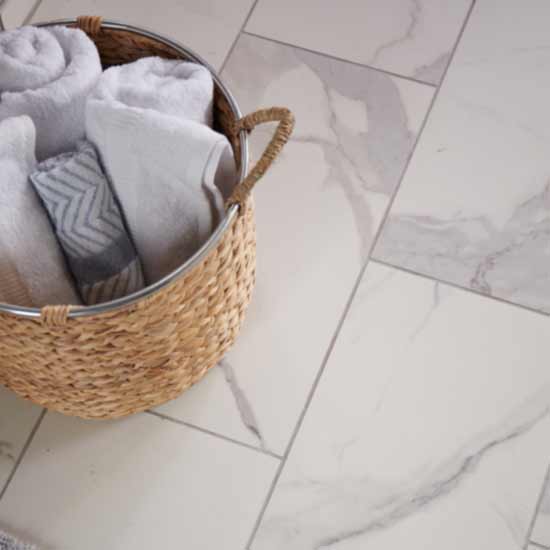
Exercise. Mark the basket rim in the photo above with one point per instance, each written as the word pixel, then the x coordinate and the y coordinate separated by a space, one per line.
pixel 212 242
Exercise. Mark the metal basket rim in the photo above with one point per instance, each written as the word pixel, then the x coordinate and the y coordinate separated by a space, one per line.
pixel 86 311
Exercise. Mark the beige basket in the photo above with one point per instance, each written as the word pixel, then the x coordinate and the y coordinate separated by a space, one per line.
pixel 129 355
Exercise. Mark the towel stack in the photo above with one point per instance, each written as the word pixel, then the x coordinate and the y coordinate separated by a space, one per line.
pixel 149 121
pixel 131 178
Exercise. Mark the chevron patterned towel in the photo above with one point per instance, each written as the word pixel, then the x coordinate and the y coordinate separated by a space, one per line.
pixel 89 225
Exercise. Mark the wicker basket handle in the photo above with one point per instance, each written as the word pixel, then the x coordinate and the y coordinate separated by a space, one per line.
pixel 286 124
pixel 54 316
pixel 90 24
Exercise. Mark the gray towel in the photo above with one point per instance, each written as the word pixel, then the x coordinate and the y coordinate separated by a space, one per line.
pixel 89 225
pixel 9 543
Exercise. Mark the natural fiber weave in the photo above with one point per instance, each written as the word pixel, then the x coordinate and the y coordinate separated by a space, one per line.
pixel 127 360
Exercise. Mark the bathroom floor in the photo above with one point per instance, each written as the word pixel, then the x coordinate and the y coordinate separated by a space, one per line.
pixel 391 386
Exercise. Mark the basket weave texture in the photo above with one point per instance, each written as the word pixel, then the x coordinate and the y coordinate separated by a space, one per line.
pixel 130 359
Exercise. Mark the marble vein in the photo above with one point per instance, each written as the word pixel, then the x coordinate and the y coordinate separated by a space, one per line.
pixel 362 506
pixel 430 312
pixel 365 158
pixel 431 72
pixel 387 141
pixel 243 404
pixel 541 527
pixel 6 451
pixel 415 11
pixel 510 262
pixel 513 525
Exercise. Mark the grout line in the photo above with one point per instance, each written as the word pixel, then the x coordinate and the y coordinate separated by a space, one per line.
pixel 32 13
pixel 533 544
pixel 214 434
pixel 306 406
pixel 458 287
pixel 352 295
pixel 536 512
pixel 23 452
pixel 344 60
pixel 241 30
pixel 424 123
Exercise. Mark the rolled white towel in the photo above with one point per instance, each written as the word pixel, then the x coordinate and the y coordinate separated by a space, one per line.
pixel 46 73
pixel 29 58
pixel 180 89
pixel 32 267
pixel 166 169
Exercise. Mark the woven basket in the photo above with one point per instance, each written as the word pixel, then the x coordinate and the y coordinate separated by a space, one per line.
pixel 140 351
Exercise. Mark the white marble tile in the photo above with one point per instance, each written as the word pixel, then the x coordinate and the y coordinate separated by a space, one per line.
pixel 17 419
pixel 407 37
pixel 541 528
pixel 430 427
pixel 14 12
pixel 137 483
pixel 474 206
pixel 317 212
pixel 208 27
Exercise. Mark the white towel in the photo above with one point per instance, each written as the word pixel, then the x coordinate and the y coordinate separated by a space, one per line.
pixel 29 58
pixel 176 88
pixel 32 267
pixel 47 74
pixel 166 171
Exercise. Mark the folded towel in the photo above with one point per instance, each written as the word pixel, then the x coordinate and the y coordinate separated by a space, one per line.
pixel 166 171
pixel 47 74
pixel 32 267
pixel 89 225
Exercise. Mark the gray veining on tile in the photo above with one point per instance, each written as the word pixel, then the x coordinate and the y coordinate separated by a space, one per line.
pixel 241 401
pixel 370 507
pixel 344 150
pixel 412 16
pixel 510 262
pixel 474 206
pixel 415 438
pixel 432 71
pixel 6 451
pixel 541 527
pixel 317 211
pixel 363 155
pixel 407 37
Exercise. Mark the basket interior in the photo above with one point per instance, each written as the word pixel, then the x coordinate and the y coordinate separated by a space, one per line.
pixel 117 46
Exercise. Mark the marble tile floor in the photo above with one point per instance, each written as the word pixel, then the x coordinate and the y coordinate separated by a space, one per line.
pixel 391 385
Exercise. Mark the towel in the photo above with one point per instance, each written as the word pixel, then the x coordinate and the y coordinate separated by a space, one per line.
pixel 46 73
pixel 176 88
pixel 89 225
pixel 167 170
pixel 32 267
